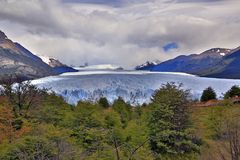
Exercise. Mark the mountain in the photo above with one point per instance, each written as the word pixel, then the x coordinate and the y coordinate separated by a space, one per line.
pixel 147 66
pixel 57 66
pixel 216 63
pixel 15 60
pixel 228 67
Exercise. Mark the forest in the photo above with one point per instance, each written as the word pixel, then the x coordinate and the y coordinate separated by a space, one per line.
pixel 36 124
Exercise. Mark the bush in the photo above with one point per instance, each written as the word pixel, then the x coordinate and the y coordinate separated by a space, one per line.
pixel 234 91
pixel 208 94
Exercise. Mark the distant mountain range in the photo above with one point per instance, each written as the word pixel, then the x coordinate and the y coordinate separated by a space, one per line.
pixel 216 63
pixel 17 61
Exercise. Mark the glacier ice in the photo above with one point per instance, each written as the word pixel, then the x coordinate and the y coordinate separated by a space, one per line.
pixel 135 87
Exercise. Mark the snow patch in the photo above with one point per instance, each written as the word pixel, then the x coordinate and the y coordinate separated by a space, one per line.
pixel 149 64
pixel 45 59
pixel 222 54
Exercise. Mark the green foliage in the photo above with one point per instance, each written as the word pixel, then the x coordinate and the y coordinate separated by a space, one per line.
pixel 55 111
pixel 90 139
pixel 23 96
pixel 234 91
pixel 215 121
pixel 208 94
pixel 220 131
pixel 123 109
pixel 45 142
pixel 29 148
pixel 112 119
pixel 57 130
pixel 103 102
pixel 169 121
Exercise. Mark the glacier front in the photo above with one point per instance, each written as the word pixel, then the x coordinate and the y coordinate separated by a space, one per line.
pixel 135 87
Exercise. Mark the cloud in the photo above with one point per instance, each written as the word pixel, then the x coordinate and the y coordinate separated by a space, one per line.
pixel 121 32
pixel 114 3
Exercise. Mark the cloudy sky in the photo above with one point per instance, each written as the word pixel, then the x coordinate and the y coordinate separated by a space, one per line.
pixel 121 32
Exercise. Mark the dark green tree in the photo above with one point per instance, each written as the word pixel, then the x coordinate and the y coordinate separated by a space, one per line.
pixel 208 94
pixel 103 102
pixel 169 121
pixel 234 91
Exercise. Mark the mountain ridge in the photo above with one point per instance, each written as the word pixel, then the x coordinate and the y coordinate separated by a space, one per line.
pixel 215 63
pixel 17 61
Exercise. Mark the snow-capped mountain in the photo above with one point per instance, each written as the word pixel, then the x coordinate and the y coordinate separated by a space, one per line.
pixel 148 65
pixel 135 87
pixel 56 65
pixel 51 61
pixel 15 60
pixel 228 67
pixel 204 64
pixel 45 59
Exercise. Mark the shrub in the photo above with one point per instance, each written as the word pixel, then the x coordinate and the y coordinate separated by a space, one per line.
pixel 208 94
pixel 234 91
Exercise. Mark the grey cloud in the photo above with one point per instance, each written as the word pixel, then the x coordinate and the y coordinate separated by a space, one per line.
pixel 197 1
pixel 77 32
pixel 114 3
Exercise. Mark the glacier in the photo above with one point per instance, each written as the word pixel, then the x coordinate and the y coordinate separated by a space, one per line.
pixel 135 87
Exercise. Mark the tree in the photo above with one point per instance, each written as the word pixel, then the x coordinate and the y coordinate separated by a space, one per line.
pixel 123 109
pixel 6 124
pixel 23 96
pixel 103 102
pixel 10 127
pixel 208 94
pixel 169 121
pixel 234 91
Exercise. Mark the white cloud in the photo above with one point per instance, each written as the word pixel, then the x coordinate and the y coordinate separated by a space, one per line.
pixel 126 35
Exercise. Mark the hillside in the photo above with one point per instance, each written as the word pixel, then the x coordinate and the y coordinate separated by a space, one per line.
pixel 228 67
pixel 15 60
pixel 215 63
